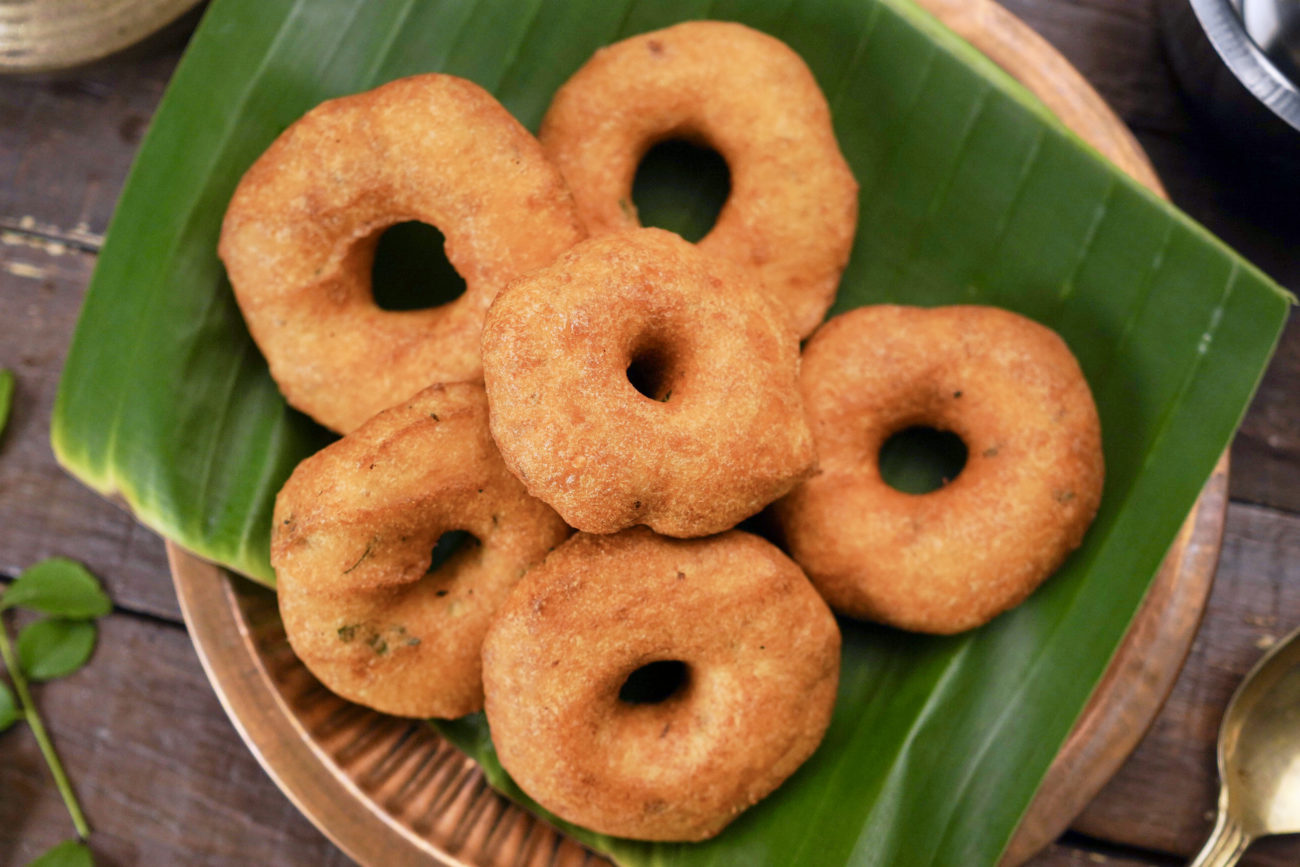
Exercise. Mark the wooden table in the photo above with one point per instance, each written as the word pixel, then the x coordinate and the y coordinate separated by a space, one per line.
pixel 162 773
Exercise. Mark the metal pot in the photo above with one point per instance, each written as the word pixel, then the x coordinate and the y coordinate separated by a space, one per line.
pixel 1239 63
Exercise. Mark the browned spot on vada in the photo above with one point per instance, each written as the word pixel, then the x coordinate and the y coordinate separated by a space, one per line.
pixel 751 650
pixel 355 528
pixel 299 237
pixel 956 557
pixel 793 207
pixel 639 380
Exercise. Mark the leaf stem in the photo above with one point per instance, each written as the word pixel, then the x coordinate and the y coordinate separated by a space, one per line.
pixel 33 718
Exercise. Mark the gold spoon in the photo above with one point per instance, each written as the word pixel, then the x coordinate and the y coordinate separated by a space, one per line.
pixel 1259 758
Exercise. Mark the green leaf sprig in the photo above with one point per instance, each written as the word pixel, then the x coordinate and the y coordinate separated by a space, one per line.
pixel 53 646
pixel 6 395
pixel 69 853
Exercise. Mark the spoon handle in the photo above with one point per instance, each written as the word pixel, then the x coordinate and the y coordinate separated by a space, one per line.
pixel 1226 845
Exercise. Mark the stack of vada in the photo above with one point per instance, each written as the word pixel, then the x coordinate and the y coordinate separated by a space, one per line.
pixel 591 420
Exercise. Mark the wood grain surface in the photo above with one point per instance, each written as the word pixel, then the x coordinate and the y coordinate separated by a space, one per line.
pixel 164 776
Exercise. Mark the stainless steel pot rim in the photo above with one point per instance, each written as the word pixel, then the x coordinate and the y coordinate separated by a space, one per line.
pixel 1227 34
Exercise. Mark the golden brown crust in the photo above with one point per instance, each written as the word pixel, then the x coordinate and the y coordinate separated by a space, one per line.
pixel 793 207
pixel 354 532
pixel 954 558
pixel 762 657
pixel 299 236
pixel 724 432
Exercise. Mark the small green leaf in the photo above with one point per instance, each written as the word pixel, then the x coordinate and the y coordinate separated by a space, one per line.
pixel 53 648
pixel 69 853
pixel 8 708
pixel 6 395
pixel 58 586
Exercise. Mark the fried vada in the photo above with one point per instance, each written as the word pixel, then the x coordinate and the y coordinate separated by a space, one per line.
pixel 299 239
pixel 953 558
pixel 654 688
pixel 793 207
pixel 355 530
pixel 639 380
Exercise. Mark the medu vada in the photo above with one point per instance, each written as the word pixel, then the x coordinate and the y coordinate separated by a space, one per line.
pixel 953 558
pixel 355 530
pixel 792 211
pixel 299 239
pixel 639 380
pixel 793 206
pixel 654 688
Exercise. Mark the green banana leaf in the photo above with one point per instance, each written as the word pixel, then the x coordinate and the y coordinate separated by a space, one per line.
pixel 971 193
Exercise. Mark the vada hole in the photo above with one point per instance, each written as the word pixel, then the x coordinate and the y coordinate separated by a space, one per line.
pixel 411 270
pixel 655 682
pixel 919 459
pixel 450 544
pixel 651 373
pixel 681 186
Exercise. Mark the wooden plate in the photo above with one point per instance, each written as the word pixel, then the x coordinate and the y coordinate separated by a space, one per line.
pixel 57 34
pixel 392 792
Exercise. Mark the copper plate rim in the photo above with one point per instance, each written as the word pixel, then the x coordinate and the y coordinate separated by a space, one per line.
pixel 391 792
